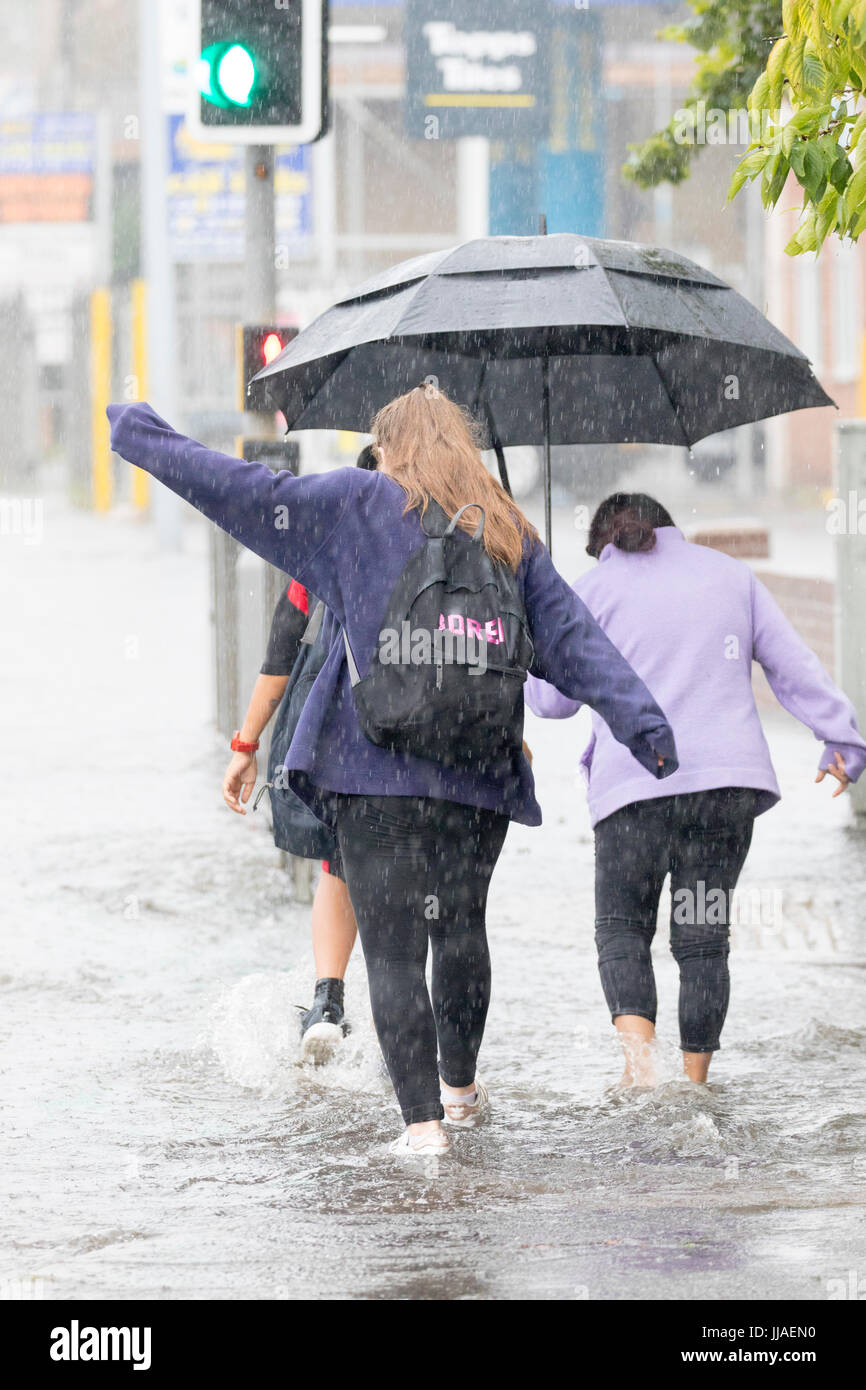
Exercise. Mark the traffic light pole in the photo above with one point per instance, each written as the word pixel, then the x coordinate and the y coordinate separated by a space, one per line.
pixel 260 303
pixel 260 284
pixel 230 599
pixel 259 306
pixel 246 589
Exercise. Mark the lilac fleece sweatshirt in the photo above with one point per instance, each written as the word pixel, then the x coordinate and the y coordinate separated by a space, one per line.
pixel 691 621
pixel 347 536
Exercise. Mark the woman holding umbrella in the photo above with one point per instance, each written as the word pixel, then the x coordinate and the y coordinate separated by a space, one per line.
pixel 691 621
pixel 419 838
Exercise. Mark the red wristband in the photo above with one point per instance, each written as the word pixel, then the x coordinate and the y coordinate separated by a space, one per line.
pixel 238 745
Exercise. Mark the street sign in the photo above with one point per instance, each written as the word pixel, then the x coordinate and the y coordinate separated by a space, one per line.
pixel 259 76
pixel 47 167
pixel 206 199
pixel 477 69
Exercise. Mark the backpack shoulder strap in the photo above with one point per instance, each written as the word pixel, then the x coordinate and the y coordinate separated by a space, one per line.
pixel 354 677
pixel 314 626
pixel 479 530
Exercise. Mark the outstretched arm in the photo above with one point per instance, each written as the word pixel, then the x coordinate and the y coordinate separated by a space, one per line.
pixel 291 522
pixel 575 655
pixel 801 684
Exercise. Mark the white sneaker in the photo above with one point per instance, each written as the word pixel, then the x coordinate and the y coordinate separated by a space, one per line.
pixel 462 1112
pixel 425 1146
pixel 320 1042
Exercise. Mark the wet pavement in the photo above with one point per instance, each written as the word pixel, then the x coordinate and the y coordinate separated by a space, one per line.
pixel 160 1138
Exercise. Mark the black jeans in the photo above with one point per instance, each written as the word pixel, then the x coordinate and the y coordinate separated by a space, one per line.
pixel 701 839
pixel 418 870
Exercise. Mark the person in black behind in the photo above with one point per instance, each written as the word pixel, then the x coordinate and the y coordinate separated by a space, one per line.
pixel 333 921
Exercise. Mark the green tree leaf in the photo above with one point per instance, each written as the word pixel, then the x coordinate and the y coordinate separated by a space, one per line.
pixel 794 62
pixel 857 130
pixel 855 194
pixel 814 176
pixel 759 97
pixel 839 13
pixel 791 18
pixel 776 70
pixel 814 72
pixel 840 173
pixel 774 180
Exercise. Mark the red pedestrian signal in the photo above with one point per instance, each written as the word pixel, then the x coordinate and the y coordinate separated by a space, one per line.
pixel 271 348
pixel 257 346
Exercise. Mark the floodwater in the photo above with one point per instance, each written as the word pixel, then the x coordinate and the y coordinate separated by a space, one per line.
pixel 160 1139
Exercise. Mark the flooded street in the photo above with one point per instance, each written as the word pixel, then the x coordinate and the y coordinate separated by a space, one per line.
pixel 160 1138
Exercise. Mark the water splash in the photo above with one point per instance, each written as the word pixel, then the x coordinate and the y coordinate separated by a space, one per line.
pixel 253 1032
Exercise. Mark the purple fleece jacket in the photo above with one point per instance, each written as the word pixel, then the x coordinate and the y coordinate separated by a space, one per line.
pixel 691 621
pixel 347 537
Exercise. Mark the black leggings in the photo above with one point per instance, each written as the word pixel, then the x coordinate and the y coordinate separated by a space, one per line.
pixel 418 869
pixel 701 839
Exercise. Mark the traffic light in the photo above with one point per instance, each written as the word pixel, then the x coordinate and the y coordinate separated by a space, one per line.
pixel 257 346
pixel 260 71
pixel 279 454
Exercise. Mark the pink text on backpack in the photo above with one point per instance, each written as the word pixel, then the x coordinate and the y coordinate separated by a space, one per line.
pixel 456 623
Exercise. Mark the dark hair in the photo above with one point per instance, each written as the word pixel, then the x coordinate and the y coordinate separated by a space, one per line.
pixel 367 458
pixel 628 521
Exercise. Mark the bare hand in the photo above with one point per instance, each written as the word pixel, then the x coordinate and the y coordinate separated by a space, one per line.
pixel 837 770
pixel 239 781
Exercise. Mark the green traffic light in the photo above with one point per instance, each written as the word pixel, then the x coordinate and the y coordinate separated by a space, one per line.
pixel 236 74
pixel 227 74
pixel 206 76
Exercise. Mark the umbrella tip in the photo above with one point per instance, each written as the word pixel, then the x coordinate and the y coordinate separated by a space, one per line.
pixel 542 224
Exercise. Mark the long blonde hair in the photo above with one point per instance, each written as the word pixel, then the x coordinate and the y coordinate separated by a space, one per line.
pixel 432 446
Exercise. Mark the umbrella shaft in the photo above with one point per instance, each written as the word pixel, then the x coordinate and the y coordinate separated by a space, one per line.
pixel 545 406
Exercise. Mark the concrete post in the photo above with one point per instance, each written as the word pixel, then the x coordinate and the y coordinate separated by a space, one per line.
pixel 850 481
pixel 473 187
pixel 157 265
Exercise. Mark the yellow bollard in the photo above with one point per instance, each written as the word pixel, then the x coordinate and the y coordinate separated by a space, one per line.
pixel 101 476
pixel 140 479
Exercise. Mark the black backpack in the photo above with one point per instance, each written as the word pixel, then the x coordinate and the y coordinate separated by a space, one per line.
pixel 446 678
pixel 296 829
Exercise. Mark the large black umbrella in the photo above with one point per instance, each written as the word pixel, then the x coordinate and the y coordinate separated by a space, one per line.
pixel 558 339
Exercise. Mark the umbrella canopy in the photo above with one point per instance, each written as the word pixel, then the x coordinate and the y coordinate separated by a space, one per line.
pixel 643 345
pixel 558 339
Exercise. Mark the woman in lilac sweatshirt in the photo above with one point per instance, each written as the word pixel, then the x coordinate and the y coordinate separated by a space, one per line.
pixel 418 839
pixel 690 621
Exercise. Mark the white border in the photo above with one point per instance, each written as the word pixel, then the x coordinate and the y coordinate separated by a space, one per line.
pixel 312 18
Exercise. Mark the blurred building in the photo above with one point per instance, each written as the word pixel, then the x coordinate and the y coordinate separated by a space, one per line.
pixel 369 194
pixel 821 305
